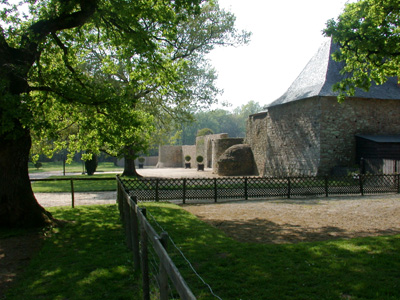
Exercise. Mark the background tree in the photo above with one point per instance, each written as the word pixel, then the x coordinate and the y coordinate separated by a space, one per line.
pixel 220 121
pixel 368 32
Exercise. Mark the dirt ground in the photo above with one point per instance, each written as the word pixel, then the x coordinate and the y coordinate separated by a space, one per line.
pixel 261 221
pixel 300 220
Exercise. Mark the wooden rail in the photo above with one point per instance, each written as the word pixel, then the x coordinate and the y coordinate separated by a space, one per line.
pixel 139 233
pixel 72 179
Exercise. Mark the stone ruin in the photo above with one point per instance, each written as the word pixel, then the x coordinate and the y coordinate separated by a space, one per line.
pixel 225 156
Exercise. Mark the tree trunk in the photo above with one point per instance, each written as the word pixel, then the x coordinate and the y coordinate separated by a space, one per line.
pixel 18 205
pixel 129 166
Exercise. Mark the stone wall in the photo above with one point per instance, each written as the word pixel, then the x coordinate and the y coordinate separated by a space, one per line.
pixel 342 121
pixel 204 147
pixel 191 151
pixel 170 157
pixel 219 146
pixel 285 140
pixel 150 161
pixel 312 136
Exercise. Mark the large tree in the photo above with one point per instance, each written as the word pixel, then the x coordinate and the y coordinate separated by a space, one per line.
pixel 45 87
pixel 368 32
pixel 169 95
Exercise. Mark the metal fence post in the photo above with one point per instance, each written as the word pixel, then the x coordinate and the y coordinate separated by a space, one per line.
pixel 289 187
pixel 72 194
pixel 326 186
pixel 361 177
pixel 215 190
pixel 184 191
pixel 157 198
pixel 398 183
pixel 246 195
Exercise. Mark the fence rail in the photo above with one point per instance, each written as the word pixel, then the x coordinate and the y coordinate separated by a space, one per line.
pixel 71 180
pixel 244 188
pixel 139 233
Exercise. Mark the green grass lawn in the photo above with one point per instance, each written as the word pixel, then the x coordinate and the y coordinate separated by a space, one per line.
pixel 74 167
pixel 362 268
pixel 86 259
pixel 79 185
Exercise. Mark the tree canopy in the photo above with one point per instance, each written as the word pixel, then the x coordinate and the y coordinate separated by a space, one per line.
pixel 368 32
pixel 80 73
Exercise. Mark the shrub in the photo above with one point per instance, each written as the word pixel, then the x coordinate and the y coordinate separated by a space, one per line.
pixel 38 165
pixel 199 159
pixel 91 165
pixel 188 157
pixel 141 159
pixel 204 131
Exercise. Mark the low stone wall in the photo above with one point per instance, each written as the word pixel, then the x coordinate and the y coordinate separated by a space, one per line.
pixel 169 157
pixel 191 151
pixel 150 161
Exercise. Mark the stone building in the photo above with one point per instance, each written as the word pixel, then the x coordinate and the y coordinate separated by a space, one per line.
pixel 307 132
pixel 209 146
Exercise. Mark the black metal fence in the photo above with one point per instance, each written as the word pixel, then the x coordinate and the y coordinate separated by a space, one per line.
pixel 244 188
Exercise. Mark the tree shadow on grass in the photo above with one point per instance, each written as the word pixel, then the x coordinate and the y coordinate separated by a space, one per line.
pixel 85 259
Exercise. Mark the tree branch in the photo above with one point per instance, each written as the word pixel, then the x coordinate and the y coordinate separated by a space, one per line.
pixel 39 30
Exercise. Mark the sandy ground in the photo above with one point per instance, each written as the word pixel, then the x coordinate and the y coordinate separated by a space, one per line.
pixel 298 220
pixel 273 220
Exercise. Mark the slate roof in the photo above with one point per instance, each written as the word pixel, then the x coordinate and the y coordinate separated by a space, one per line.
pixel 322 72
pixel 380 138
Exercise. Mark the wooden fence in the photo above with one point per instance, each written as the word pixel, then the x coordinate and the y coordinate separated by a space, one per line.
pixel 244 188
pixel 71 180
pixel 139 233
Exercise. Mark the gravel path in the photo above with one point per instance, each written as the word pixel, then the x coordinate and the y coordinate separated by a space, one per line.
pixel 65 199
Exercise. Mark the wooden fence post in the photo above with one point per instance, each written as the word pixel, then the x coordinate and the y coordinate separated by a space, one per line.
pixel 127 223
pixel 72 194
pixel 135 235
pixel 163 275
pixel 145 260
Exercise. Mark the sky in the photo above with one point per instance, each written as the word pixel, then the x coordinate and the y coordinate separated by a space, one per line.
pixel 286 35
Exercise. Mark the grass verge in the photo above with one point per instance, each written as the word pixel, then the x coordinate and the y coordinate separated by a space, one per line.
pixel 74 167
pixel 361 268
pixel 79 185
pixel 85 259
